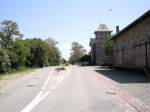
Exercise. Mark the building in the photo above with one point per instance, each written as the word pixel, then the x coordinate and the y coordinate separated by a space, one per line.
pixel 98 45
pixel 132 44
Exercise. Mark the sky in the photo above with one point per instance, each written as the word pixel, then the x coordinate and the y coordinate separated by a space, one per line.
pixel 70 20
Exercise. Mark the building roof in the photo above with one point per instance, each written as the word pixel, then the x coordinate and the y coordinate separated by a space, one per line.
pixel 145 15
pixel 102 28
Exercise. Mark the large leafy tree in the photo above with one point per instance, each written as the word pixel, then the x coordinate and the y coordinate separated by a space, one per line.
pixel 54 54
pixel 85 58
pixel 16 52
pixel 77 51
pixel 9 32
pixel 39 53
pixel 51 42
pixel 19 48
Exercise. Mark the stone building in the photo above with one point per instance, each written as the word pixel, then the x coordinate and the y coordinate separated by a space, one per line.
pixel 132 44
pixel 97 45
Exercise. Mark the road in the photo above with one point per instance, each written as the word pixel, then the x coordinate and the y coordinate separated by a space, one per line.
pixel 78 89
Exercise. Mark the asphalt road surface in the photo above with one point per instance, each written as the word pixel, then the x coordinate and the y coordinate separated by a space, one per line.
pixel 78 89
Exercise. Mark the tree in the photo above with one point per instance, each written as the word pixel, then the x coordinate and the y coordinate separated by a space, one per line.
pixel 51 41
pixel 14 59
pixel 16 52
pixel 63 60
pixel 85 58
pixel 54 54
pixel 109 47
pixel 4 60
pixel 39 54
pixel 77 52
pixel 9 32
pixel 19 48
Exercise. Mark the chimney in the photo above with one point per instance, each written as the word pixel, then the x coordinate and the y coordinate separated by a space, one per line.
pixel 117 29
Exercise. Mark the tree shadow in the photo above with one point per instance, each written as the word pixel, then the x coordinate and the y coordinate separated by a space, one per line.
pixel 123 76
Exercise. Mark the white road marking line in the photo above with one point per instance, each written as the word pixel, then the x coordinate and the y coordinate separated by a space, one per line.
pixel 46 82
pixel 30 106
pixel 38 101
pixel 43 96
pixel 40 97
pixel 62 77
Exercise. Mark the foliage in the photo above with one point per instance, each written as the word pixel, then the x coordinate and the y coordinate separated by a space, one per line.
pixel 39 53
pixel 63 61
pixel 109 47
pixel 4 60
pixel 51 41
pixel 21 50
pixel 54 53
pixel 9 32
pixel 16 53
pixel 14 59
pixel 77 52
pixel 85 58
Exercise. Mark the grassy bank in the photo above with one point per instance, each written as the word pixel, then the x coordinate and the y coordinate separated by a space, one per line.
pixel 16 73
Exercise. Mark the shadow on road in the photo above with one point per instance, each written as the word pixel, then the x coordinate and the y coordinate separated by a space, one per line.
pixel 123 76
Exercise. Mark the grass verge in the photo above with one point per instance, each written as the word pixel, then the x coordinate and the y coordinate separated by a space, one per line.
pixel 16 73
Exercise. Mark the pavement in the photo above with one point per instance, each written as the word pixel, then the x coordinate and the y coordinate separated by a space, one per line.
pixel 77 89
pixel 135 83
pixel 134 86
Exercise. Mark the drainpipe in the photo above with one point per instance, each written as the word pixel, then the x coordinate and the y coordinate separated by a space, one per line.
pixel 146 54
pixel 122 55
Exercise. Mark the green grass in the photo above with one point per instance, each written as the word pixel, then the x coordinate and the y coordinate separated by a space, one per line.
pixel 16 73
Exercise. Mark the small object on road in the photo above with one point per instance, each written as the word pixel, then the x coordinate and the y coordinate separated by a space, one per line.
pixel 61 67
pixel 111 92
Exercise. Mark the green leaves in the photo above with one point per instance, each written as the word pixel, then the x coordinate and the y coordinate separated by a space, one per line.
pixel 39 54
pixel 4 60
pixel 85 58
pixel 9 32
pixel 16 52
pixel 109 47
pixel 77 52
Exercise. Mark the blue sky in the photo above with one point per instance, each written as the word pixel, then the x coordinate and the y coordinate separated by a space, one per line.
pixel 70 20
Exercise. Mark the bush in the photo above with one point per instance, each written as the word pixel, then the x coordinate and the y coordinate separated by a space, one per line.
pixel 16 53
pixel 4 60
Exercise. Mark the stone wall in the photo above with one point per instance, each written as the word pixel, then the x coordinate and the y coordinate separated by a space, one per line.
pixel 101 39
pixel 131 47
pixel 93 53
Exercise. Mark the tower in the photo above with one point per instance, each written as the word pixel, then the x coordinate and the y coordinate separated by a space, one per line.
pixel 101 36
